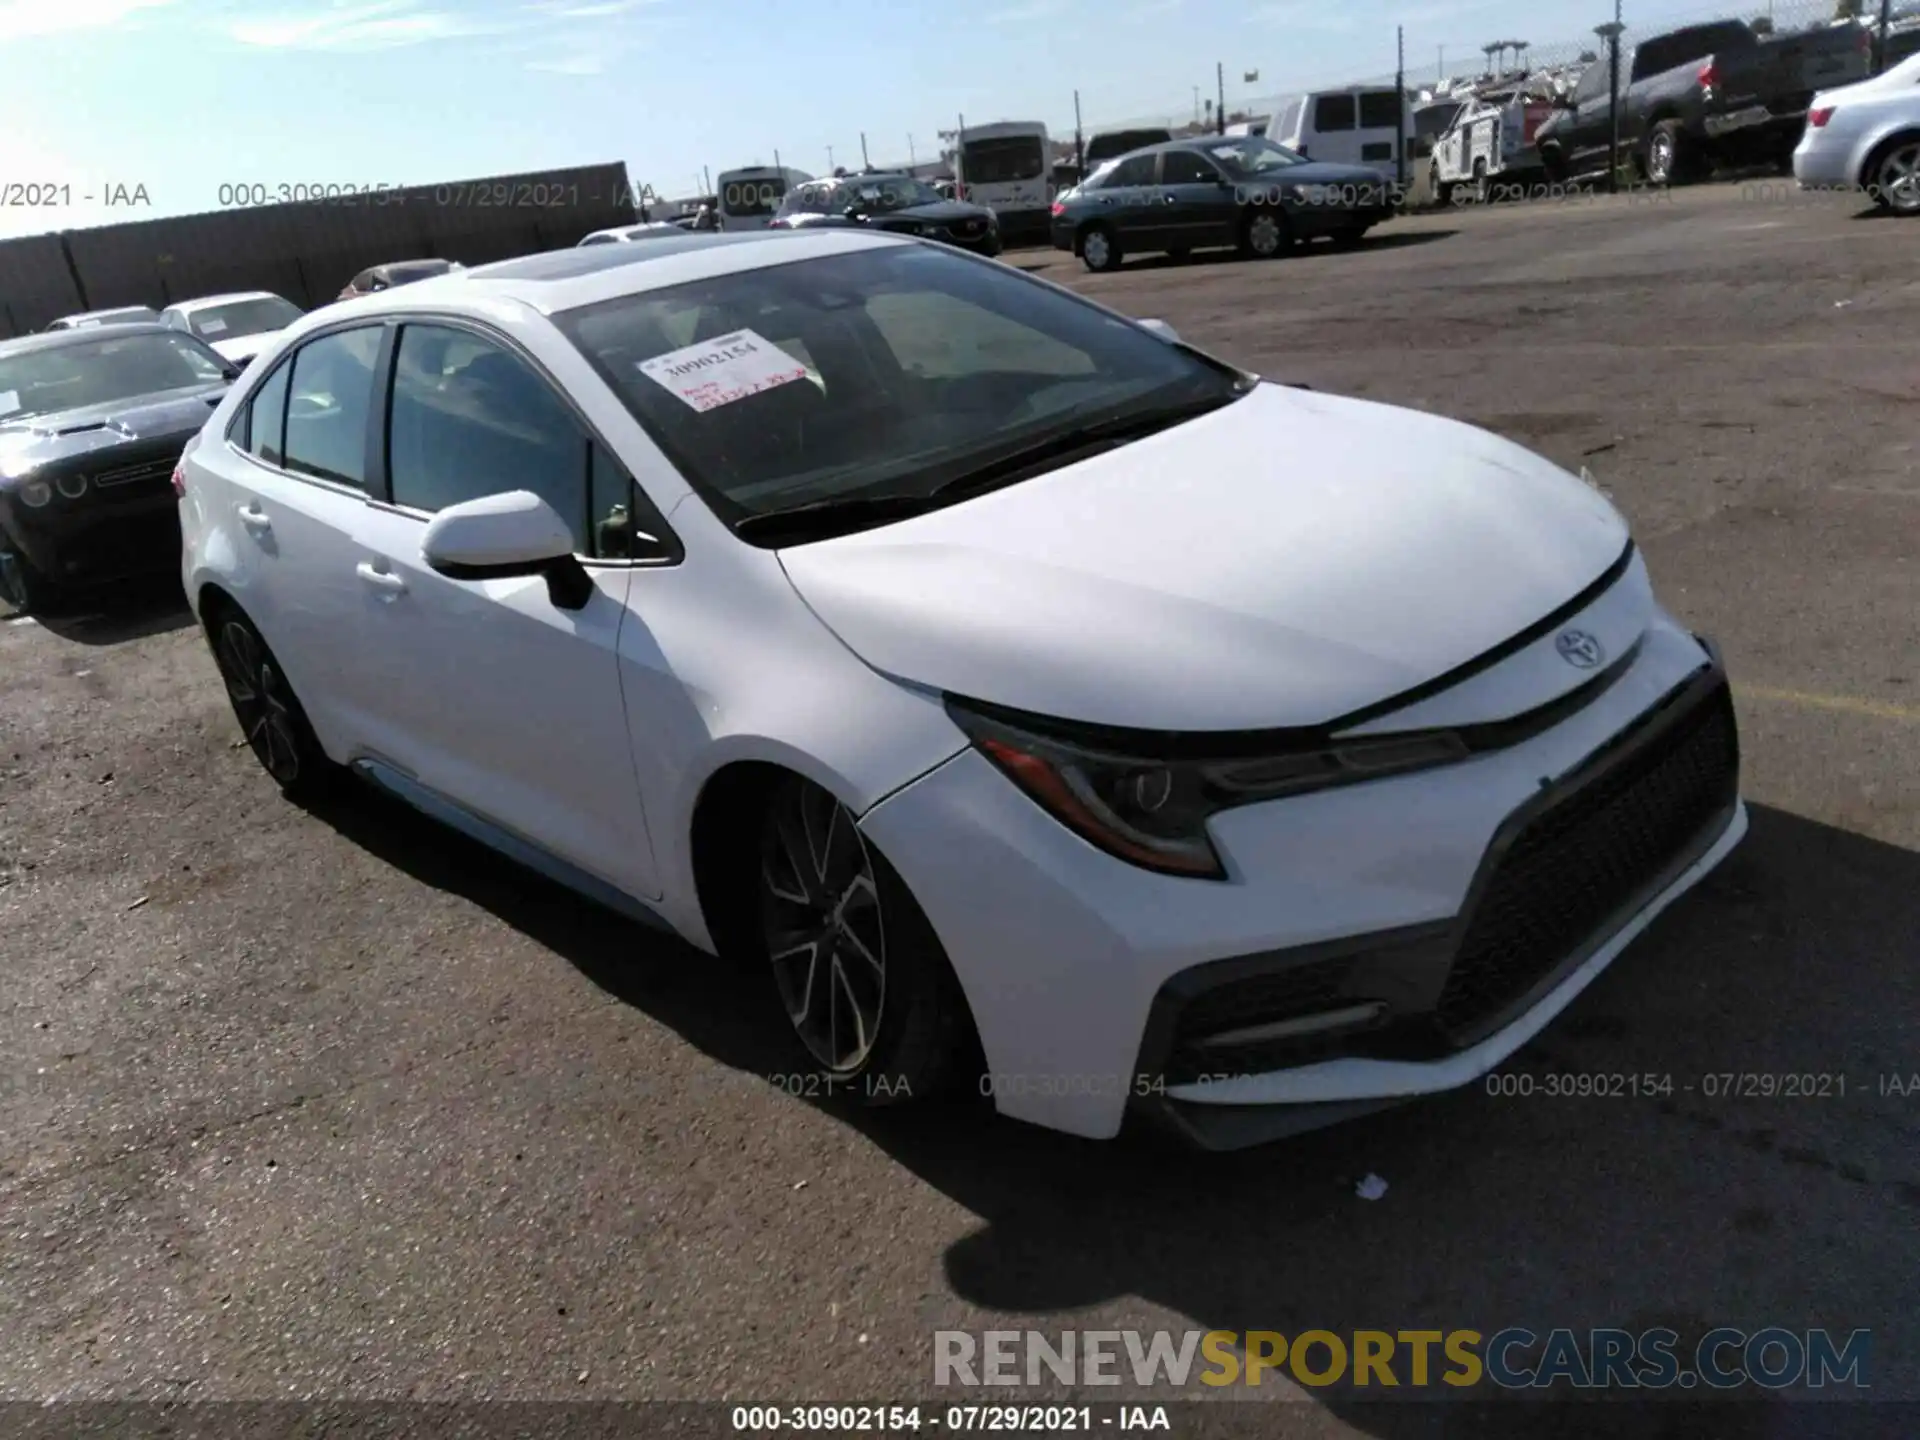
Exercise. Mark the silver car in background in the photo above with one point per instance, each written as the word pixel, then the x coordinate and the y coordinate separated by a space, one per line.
pixel 1867 136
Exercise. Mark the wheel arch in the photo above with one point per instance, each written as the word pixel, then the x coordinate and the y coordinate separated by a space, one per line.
pixel 1878 147
pixel 722 830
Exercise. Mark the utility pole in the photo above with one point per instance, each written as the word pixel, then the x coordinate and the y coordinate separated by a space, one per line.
pixel 706 175
pixel 776 160
pixel 1611 34
pixel 865 163
pixel 913 160
pixel 1220 111
pixel 1196 105
pixel 1400 121
pixel 829 159
pixel 1880 49
pixel 1440 68
pixel 1079 143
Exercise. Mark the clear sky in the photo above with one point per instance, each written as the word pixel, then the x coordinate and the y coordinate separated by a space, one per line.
pixel 180 97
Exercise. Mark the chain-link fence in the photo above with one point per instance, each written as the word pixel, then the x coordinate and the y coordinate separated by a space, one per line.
pixel 1435 62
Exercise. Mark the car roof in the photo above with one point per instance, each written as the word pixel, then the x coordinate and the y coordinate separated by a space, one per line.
pixel 60 339
pixel 557 280
pixel 202 302
pixel 111 310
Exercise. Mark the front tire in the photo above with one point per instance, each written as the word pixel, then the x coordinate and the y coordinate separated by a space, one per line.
pixel 271 719
pixel 1099 249
pixel 1441 190
pixel 875 1009
pixel 26 588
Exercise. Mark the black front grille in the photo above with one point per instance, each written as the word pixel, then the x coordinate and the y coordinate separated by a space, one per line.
pixel 1257 1000
pixel 1587 859
pixel 146 471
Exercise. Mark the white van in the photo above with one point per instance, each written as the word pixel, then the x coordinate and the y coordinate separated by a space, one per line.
pixel 1360 125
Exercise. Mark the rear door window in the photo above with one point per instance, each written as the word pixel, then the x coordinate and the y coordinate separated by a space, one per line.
pixel 1333 113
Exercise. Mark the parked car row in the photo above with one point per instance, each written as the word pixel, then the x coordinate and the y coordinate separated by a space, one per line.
pixel 1243 193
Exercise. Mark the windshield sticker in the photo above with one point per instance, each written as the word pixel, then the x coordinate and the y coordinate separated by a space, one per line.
pixel 9 401
pixel 721 371
pixel 212 325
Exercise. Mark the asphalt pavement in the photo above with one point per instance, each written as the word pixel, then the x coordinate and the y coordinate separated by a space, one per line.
pixel 337 1104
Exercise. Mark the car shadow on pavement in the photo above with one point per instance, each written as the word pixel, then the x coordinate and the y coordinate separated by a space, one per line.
pixel 1634 1210
pixel 1687 1210
pixel 694 994
pixel 129 612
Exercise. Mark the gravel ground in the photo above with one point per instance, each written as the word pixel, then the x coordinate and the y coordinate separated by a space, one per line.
pixel 336 1104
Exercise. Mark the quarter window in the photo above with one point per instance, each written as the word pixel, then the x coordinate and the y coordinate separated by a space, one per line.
pixel 471 419
pixel 328 402
pixel 267 417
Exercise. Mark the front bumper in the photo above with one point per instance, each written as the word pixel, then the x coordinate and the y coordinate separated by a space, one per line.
pixel 1436 915
pixel 102 537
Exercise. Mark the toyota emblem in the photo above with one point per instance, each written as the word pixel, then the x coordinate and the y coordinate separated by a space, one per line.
pixel 1580 650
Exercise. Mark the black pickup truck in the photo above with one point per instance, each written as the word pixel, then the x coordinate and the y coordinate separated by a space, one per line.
pixel 1704 95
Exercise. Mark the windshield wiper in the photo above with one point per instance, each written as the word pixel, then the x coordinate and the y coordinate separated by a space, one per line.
pixel 1079 441
pixel 820 518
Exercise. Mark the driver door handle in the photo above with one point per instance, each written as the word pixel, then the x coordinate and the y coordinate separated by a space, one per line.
pixel 380 579
pixel 256 519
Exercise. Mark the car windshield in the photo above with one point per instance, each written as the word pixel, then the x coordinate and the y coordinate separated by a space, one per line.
pixel 407 271
pixel 873 376
pixel 879 196
pixel 1001 162
pixel 243 317
pixel 1252 156
pixel 99 372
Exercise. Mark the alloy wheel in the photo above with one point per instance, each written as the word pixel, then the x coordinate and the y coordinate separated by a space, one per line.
pixel 1660 159
pixel 1898 179
pixel 260 701
pixel 1264 236
pixel 824 931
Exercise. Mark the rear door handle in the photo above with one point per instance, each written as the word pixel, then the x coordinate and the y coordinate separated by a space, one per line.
pixel 380 579
pixel 256 519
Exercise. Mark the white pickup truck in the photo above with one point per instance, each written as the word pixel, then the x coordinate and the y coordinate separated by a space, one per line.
pixel 1489 146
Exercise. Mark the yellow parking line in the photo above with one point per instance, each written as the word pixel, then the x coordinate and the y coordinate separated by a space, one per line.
pixel 1846 704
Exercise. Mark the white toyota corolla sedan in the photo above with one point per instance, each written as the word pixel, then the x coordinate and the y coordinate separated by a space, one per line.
pixel 1048 706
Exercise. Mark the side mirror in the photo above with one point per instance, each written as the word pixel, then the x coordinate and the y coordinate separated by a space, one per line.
pixel 500 537
pixel 1161 328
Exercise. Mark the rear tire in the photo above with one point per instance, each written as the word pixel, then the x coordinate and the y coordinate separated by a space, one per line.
pixel 272 721
pixel 1893 175
pixel 1441 190
pixel 875 1011
pixel 1265 234
pixel 1669 155
pixel 1099 249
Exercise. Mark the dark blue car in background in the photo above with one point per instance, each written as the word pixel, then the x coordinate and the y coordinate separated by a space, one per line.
pixel 1217 192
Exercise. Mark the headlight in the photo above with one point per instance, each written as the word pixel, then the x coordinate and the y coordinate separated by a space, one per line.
pixel 72 486
pixel 36 493
pixel 1152 811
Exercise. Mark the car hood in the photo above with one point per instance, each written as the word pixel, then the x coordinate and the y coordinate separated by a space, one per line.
pixel 1321 172
pixel 1284 561
pixel 242 348
pixel 27 444
pixel 939 212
